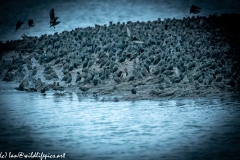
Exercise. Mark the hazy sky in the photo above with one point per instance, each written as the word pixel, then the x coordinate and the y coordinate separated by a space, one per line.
pixel 83 13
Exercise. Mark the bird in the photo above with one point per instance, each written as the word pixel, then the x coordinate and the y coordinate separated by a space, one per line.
pixel 95 79
pixel 115 68
pixel 66 77
pixel 144 71
pixel 90 63
pixel 117 80
pixel 57 87
pixel 30 23
pixel 146 66
pixel 52 16
pixel 69 80
pixel 119 74
pixel 89 77
pixel 18 25
pixel 122 59
pixel 176 71
pixel 194 9
pixel 134 91
pixel 43 90
pixel 53 19
pixel 54 23
pixel 131 78
pixel 79 77
pixel 85 63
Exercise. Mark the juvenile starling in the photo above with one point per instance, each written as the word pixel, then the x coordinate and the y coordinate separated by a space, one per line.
pixel 18 25
pixel 30 23
pixel 194 9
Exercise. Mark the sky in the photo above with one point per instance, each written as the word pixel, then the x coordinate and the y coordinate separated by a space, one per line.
pixel 83 13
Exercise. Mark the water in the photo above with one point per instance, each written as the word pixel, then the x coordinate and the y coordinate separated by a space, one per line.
pixel 84 128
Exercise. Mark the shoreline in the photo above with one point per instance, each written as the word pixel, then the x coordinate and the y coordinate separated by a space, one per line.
pixel 114 94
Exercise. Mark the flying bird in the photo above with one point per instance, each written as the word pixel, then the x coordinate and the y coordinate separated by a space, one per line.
pixel 18 25
pixel 194 9
pixel 30 23
pixel 53 19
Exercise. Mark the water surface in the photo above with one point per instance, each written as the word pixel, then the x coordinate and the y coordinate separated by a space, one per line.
pixel 86 128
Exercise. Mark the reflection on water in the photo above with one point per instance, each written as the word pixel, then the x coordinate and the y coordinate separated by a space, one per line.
pixel 85 128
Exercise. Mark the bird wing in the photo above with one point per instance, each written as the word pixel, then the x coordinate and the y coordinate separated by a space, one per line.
pixel 195 11
pixel 55 18
pixel 52 15
pixel 195 7
pixel 54 23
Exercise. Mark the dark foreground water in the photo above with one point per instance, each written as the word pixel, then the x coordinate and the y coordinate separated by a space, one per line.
pixel 85 128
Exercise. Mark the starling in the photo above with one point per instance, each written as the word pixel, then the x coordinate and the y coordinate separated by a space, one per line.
pixel 79 77
pixel 96 80
pixel 134 91
pixel 53 19
pixel 30 23
pixel 194 9
pixel 57 87
pixel 18 25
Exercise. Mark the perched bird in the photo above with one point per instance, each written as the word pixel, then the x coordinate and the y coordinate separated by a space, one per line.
pixel 95 79
pixel 134 91
pixel 117 79
pixel 176 71
pixel 194 9
pixel 79 77
pixel 115 68
pixel 90 63
pixel 43 90
pixel 18 25
pixel 67 78
pixel 57 87
pixel 131 78
pixel 85 63
pixel 30 23
pixel 53 19
pixel 146 66
pixel 119 74
pixel 89 77
pixel 122 59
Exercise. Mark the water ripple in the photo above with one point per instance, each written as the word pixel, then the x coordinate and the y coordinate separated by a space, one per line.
pixel 85 128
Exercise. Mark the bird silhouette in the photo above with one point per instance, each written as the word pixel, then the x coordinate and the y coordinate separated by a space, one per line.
pixel 57 87
pixel 30 23
pixel 194 9
pixel 95 79
pixel 53 19
pixel 18 25
pixel 134 91
pixel 79 77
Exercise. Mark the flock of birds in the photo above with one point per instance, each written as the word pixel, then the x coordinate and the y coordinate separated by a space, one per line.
pixel 53 20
